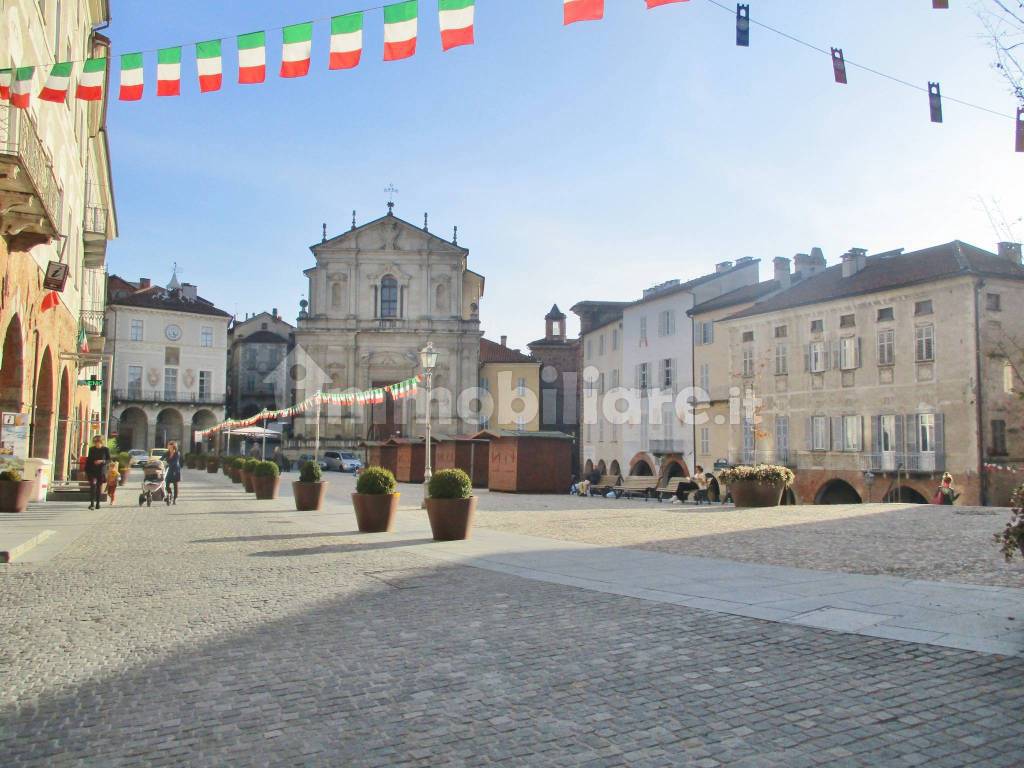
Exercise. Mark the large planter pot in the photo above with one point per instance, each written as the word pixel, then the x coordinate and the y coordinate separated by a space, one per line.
pixel 124 476
pixel 309 497
pixel 211 469
pixel 451 519
pixel 246 477
pixel 749 493
pixel 14 496
pixel 375 513
pixel 266 487
pixel 236 475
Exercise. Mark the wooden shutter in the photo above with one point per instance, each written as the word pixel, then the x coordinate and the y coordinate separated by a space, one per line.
pixel 832 349
pixel 807 358
pixel 856 358
pixel 809 433
pixel 876 434
pixel 900 445
pixel 837 433
pixel 940 442
pixel 859 446
pixel 912 433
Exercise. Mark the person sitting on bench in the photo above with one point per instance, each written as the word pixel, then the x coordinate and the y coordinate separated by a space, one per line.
pixel 684 489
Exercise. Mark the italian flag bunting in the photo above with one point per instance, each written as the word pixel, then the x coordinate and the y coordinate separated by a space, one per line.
pixel 656 3
pixel 168 71
pixel 83 340
pixel 90 84
pixel 582 10
pixel 252 57
pixel 131 77
pixel 5 84
pixel 208 65
pixel 57 84
pixel 297 45
pixel 456 22
pixel 400 30
pixel 346 40
pixel 21 90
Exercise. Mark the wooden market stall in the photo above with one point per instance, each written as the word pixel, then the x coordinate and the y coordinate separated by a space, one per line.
pixel 382 454
pixel 528 462
pixel 464 452
pixel 410 458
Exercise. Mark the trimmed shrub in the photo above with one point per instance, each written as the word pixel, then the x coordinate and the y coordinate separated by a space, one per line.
pixel 123 460
pixel 249 465
pixel 1011 539
pixel 310 473
pixel 10 476
pixel 376 481
pixel 450 484
pixel 265 469
pixel 212 461
pixel 766 474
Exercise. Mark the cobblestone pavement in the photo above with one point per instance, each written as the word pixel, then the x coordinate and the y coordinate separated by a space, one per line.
pixel 225 631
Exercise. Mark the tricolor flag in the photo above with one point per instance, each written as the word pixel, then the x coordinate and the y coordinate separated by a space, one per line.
pixel 131 77
pixel 51 300
pixel 90 84
pixel 456 22
pixel 582 10
pixel 208 64
pixel 400 30
pixel 21 90
pixel 346 40
pixel 57 84
pixel 252 57
pixel 297 45
pixel 168 71
pixel 656 3
pixel 5 84
pixel 83 340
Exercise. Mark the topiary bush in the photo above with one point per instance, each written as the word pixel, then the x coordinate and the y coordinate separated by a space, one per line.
pixel 1011 538
pixel 376 481
pixel 123 460
pixel 450 484
pixel 310 473
pixel 248 464
pixel 213 461
pixel 265 469
pixel 766 474
pixel 10 476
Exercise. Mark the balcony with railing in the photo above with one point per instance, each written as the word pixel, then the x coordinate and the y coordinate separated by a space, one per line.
pixel 92 321
pixel 96 227
pixel 740 456
pixel 924 463
pixel 666 447
pixel 166 396
pixel 30 195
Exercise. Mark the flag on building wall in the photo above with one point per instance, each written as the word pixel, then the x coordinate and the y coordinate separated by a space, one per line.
pixel 90 84
pixel 50 301
pixel 5 84
pixel 252 57
pixel 57 84
pixel 296 49
pixel 21 89
pixel 400 25
pixel 131 77
pixel 168 71
pixel 209 66
pixel 456 22
pixel 346 40
pixel 582 10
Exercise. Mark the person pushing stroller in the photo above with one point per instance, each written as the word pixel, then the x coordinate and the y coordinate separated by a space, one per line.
pixel 153 483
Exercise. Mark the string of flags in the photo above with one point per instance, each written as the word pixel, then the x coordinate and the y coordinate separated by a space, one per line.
pixel 456 20
pixel 374 396
pixel 1012 468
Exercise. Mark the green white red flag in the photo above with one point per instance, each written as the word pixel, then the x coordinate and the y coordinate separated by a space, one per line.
pixel 83 340
pixel 5 84
pixel 252 58
pixel 57 84
pixel 582 10
pixel 400 22
pixel 456 22
pixel 131 77
pixel 296 48
pixel 21 88
pixel 90 84
pixel 168 71
pixel 346 40
pixel 209 66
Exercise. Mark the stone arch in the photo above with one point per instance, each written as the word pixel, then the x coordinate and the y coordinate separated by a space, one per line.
pixel 12 374
pixel 615 469
pixel 169 426
pixel 673 467
pixel 202 419
pixel 602 467
pixel 441 300
pixel 133 429
pixel 642 464
pixel 589 466
pixel 42 428
pixel 837 491
pixel 904 494
pixel 60 468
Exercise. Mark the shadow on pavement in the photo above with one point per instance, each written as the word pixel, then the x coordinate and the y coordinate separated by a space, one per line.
pixel 329 549
pixel 281 537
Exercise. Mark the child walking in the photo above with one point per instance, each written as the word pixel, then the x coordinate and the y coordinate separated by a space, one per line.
pixel 113 478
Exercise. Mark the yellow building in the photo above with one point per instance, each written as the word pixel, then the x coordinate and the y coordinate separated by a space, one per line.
pixel 512 380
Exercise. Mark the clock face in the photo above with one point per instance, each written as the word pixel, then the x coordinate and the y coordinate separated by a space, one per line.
pixel 173 332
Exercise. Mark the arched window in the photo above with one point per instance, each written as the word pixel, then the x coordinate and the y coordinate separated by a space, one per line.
pixel 336 295
pixel 389 297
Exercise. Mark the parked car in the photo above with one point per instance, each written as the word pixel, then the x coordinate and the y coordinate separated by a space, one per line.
pixel 137 457
pixel 309 457
pixel 342 461
pixel 160 453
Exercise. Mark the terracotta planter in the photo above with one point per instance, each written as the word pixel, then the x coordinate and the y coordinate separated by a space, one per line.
pixel 14 496
pixel 266 487
pixel 748 493
pixel 246 476
pixel 211 468
pixel 309 497
pixel 236 475
pixel 124 476
pixel 375 513
pixel 451 519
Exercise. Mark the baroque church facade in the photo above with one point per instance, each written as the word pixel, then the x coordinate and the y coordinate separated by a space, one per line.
pixel 377 295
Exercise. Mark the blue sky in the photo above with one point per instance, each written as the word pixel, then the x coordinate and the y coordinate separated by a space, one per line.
pixel 586 162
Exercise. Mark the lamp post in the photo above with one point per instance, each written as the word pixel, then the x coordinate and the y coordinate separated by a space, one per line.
pixel 428 359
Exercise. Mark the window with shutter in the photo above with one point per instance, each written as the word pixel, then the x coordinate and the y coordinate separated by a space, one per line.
pixel 837 433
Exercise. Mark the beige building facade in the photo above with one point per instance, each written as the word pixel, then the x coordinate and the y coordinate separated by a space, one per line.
pixel 511 381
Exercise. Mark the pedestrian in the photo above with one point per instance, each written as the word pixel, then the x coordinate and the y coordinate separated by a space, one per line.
pixel 96 469
pixel 113 478
pixel 173 474
pixel 701 494
pixel 945 494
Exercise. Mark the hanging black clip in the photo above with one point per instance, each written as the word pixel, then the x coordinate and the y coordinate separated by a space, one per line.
pixel 935 102
pixel 743 25
pixel 839 65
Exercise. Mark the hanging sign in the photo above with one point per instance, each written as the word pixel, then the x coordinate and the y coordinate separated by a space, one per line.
pixel 56 276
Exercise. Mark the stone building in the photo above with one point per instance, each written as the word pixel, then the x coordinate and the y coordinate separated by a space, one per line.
pixel 169 350
pixel 878 374
pixel 56 207
pixel 560 385
pixel 377 295
pixel 512 382
pixel 257 380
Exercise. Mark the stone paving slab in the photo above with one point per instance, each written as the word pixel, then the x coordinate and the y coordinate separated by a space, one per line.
pixel 47 528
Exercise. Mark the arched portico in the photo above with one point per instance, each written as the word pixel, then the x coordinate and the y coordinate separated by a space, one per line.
pixel 642 464
pixel 12 372
pixel 42 428
pixel 60 466
pixel 202 420
pixel 170 426
pixel 837 492
pixel 615 470
pixel 133 430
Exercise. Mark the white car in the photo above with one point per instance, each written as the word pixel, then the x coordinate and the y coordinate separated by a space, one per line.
pixel 342 461
pixel 137 457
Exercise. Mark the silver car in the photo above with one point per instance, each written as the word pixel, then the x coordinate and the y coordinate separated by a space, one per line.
pixel 342 461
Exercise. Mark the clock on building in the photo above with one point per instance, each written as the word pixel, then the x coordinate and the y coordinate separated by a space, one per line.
pixel 173 332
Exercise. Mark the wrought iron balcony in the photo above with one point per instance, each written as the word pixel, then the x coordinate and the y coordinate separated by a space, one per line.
pixel 92 321
pixel 30 195
pixel 906 462
pixel 785 458
pixel 664 447
pixel 161 396
pixel 95 229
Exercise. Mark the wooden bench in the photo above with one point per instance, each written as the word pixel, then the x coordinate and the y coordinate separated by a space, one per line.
pixel 635 486
pixel 605 484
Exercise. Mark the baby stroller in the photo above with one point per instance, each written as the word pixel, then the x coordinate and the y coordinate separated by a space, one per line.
pixel 153 484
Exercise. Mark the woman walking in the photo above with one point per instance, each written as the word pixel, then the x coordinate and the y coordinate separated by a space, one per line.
pixel 96 469
pixel 173 474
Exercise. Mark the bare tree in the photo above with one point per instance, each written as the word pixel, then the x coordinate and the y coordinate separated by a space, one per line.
pixel 1003 21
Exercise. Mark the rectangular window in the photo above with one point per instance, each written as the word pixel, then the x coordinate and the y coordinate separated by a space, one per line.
pixel 781 360
pixel 851 433
pixel 389 298
pixel 600 344
pixel 704 378
pixel 667 323
pixel 135 381
pixel 590 349
pixel 926 432
pixel 781 331
pixel 998 437
pixel 819 433
pixel 849 353
pixel 520 386
pixel 206 337
pixel 748 361
pixel 818 357
pixel 817 326
pixel 782 439
pixel 667 373
pixel 992 302
pixel 706 332
pixel 924 343
pixel 643 376
pixel 172 356
pixel 600 384
pixel 887 347
pixel 748 336
pixel 847 321
pixel 170 383
pixel 136 330
pixel 922 308
pixel 643 331
pixel 615 339
pixel 1008 378
pixel 615 377
pixel 705 441
pixel 748 441
pixel 885 314
pixel 205 385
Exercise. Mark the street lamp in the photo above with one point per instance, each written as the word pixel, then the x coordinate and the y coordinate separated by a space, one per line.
pixel 428 359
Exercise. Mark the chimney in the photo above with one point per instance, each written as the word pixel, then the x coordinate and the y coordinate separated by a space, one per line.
pixel 504 341
pixel 808 264
pixel 189 292
pixel 273 313
pixel 1010 251
pixel 724 266
pixel 854 261
pixel 781 264
pixel 143 283
pixel 817 259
